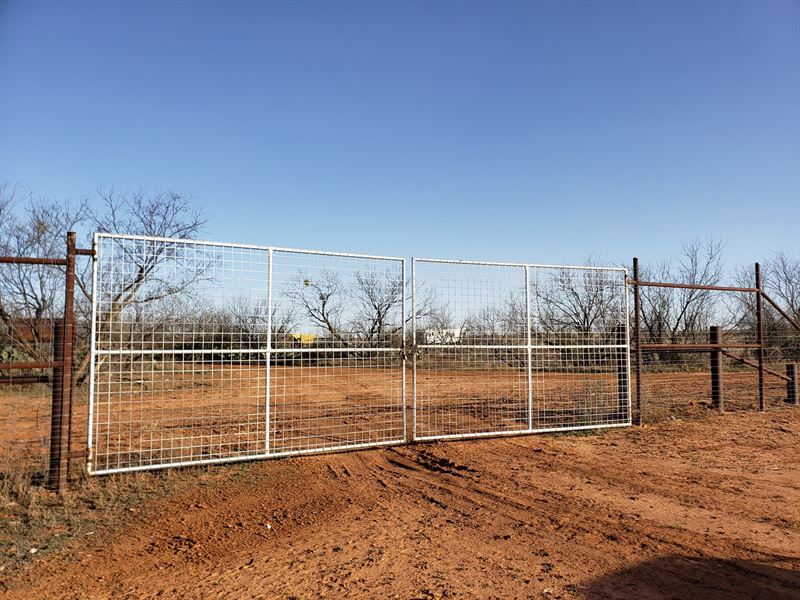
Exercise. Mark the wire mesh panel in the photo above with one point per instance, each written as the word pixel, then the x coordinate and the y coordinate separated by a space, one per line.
pixel 179 353
pixel 205 352
pixel 507 348
pixel 580 354
pixel 471 361
pixel 337 376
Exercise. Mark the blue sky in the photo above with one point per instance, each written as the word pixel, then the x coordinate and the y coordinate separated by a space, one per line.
pixel 521 131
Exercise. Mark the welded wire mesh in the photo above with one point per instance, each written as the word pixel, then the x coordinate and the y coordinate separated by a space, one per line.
pixel 679 384
pixel 206 352
pixel 180 352
pixel 337 376
pixel 31 298
pixel 504 348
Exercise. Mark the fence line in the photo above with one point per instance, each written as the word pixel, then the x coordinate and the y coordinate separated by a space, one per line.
pixel 207 352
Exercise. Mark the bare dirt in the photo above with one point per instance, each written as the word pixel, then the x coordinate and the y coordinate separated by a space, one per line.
pixel 677 509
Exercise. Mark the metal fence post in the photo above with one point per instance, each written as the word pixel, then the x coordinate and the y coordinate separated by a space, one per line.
pixel 762 404
pixel 413 349
pixel 268 409
pixel 62 381
pixel 622 370
pixel 58 454
pixel 717 393
pixel 528 345
pixel 792 396
pixel 637 339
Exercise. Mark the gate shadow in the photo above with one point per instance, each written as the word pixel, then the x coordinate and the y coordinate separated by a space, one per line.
pixel 680 577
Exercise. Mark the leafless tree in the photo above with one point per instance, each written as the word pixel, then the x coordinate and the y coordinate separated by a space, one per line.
pixel 672 314
pixel 378 296
pixel 249 318
pixel 782 281
pixel 583 302
pixel 32 295
pixel 159 215
pixel 322 300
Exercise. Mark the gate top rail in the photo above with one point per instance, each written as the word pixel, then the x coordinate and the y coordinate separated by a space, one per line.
pixel 147 238
pixel 513 264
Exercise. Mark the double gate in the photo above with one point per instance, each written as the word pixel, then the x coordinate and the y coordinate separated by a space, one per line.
pixel 205 352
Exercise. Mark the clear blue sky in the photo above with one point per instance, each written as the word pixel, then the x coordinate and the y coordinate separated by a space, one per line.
pixel 500 130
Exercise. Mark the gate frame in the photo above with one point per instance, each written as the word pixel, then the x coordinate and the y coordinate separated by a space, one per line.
pixel 268 453
pixel 529 347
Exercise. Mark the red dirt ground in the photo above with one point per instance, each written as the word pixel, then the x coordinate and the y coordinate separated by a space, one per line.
pixel 678 509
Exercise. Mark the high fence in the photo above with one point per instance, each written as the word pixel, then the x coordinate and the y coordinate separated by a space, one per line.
pixel 182 352
pixel 504 348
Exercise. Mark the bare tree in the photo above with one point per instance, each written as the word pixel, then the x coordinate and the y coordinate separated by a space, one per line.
pixel 782 281
pixel 249 318
pixel 139 278
pixel 671 314
pixel 583 302
pixel 321 299
pixel 31 296
pixel 378 297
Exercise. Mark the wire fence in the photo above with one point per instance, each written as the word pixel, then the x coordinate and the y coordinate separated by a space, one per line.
pixel 708 349
pixel 188 352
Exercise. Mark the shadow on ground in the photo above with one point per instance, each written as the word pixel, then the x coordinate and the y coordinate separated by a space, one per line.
pixel 679 577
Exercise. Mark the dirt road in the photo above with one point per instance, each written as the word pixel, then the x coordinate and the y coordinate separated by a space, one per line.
pixel 679 509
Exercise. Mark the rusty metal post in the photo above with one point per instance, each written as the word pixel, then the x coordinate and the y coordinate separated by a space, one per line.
pixel 637 339
pixel 622 372
pixel 58 454
pixel 717 392
pixel 792 385
pixel 62 381
pixel 68 392
pixel 762 403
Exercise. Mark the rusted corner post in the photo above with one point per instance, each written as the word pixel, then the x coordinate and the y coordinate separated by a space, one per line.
pixel 62 381
pixel 762 403
pixel 58 454
pixel 637 339
pixel 717 393
pixel 792 385
pixel 622 372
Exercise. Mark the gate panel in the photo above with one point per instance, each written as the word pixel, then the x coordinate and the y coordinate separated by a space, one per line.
pixel 179 353
pixel 205 352
pixel 507 348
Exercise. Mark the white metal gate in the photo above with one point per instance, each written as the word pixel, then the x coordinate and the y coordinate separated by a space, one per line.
pixel 205 352
pixel 504 348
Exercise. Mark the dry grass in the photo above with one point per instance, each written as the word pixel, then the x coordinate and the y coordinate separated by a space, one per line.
pixel 35 522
